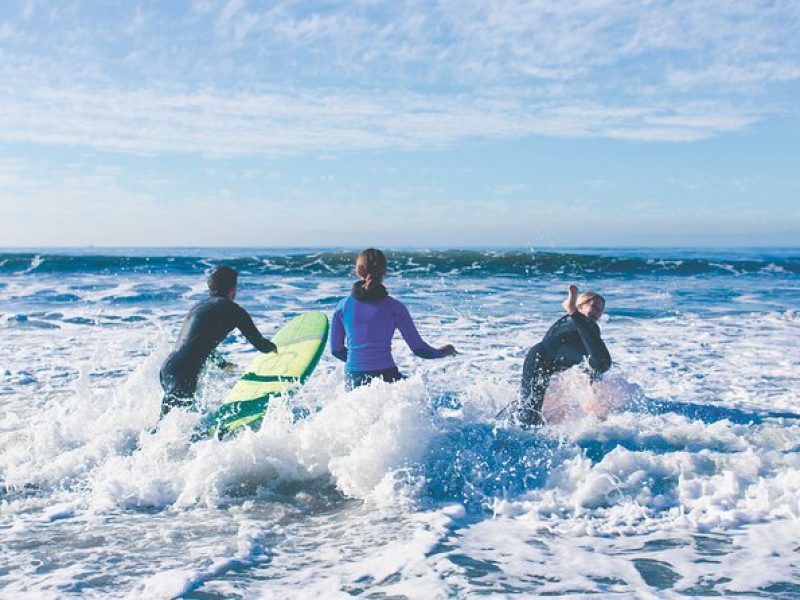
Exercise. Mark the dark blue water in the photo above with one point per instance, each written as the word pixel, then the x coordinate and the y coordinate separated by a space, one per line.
pixel 410 263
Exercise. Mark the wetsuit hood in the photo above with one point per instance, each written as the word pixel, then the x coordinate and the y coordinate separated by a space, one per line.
pixel 375 292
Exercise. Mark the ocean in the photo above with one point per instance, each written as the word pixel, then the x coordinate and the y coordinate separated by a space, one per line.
pixel 677 475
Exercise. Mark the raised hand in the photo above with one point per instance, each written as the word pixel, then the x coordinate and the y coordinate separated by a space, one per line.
pixel 569 302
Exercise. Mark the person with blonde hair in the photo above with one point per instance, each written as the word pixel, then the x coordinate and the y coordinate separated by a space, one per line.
pixel 572 340
pixel 364 323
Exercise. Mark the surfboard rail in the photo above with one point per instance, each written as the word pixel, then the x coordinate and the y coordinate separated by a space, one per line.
pixel 300 343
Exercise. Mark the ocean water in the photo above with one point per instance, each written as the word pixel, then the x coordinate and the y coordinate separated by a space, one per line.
pixel 678 475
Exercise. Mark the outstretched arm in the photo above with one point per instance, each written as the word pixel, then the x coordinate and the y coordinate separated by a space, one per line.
pixel 412 337
pixel 252 334
pixel 599 358
pixel 338 348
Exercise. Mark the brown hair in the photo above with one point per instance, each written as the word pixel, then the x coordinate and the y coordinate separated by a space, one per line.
pixel 371 266
pixel 222 280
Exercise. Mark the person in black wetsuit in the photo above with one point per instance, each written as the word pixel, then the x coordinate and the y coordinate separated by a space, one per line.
pixel 206 325
pixel 572 339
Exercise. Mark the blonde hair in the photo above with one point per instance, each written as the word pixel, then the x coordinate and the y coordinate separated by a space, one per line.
pixel 371 266
pixel 588 296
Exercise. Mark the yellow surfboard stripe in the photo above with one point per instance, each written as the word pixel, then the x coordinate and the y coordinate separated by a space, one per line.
pixel 300 344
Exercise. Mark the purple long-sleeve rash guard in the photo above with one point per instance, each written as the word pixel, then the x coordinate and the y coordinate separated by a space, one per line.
pixel 362 331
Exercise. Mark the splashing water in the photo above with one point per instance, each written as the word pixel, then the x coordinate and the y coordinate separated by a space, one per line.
pixel 664 479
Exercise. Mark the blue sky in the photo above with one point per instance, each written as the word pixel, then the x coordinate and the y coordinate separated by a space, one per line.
pixel 413 123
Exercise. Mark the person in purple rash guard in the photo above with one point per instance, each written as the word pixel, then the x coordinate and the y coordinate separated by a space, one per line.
pixel 364 323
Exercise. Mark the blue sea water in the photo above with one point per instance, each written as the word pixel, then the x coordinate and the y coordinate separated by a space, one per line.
pixel 677 475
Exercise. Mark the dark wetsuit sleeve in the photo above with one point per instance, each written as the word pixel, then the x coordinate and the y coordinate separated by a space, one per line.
pixel 599 358
pixel 338 348
pixel 412 337
pixel 245 324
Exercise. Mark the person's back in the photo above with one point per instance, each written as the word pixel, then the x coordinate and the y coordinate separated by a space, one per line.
pixel 571 340
pixel 370 326
pixel 206 325
pixel 364 323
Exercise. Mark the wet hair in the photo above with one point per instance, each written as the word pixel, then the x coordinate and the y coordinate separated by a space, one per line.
pixel 222 280
pixel 588 296
pixel 371 266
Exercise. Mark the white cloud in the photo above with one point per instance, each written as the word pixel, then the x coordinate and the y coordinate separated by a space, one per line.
pixel 509 40
pixel 220 124
pixel 730 75
pixel 235 78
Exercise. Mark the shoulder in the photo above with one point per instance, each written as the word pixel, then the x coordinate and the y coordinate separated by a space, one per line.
pixel 393 302
pixel 217 301
pixel 585 321
pixel 230 306
pixel 340 306
pixel 395 306
pixel 212 303
pixel 563 321
pixel 562 325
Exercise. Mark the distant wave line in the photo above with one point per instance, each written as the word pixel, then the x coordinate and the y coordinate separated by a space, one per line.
pixel 469 263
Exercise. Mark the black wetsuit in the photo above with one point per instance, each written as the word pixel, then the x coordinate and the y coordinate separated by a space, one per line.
pixel 206 325
pixel 567 343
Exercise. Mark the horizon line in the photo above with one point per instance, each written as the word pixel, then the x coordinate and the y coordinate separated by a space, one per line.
pixel 410 247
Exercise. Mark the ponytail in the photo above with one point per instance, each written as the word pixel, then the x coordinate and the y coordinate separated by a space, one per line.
pixel 371 267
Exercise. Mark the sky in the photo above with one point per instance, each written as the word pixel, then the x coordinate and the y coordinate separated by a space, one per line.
pixel 400 123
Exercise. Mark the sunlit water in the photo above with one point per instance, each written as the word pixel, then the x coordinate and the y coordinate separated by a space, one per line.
pixel 678 475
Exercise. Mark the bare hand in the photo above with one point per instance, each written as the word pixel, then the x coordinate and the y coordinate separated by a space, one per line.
pixel 230 368
pixel 569 303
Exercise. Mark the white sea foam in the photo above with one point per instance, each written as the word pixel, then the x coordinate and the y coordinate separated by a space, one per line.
pixel 680 456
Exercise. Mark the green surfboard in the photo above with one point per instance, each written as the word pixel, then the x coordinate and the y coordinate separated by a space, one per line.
pixel 300 344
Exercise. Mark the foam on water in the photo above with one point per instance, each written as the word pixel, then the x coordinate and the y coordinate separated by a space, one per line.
pixel 679 468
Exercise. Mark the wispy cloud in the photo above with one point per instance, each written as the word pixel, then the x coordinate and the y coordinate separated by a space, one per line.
pixel 237 78
pixel 220 124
